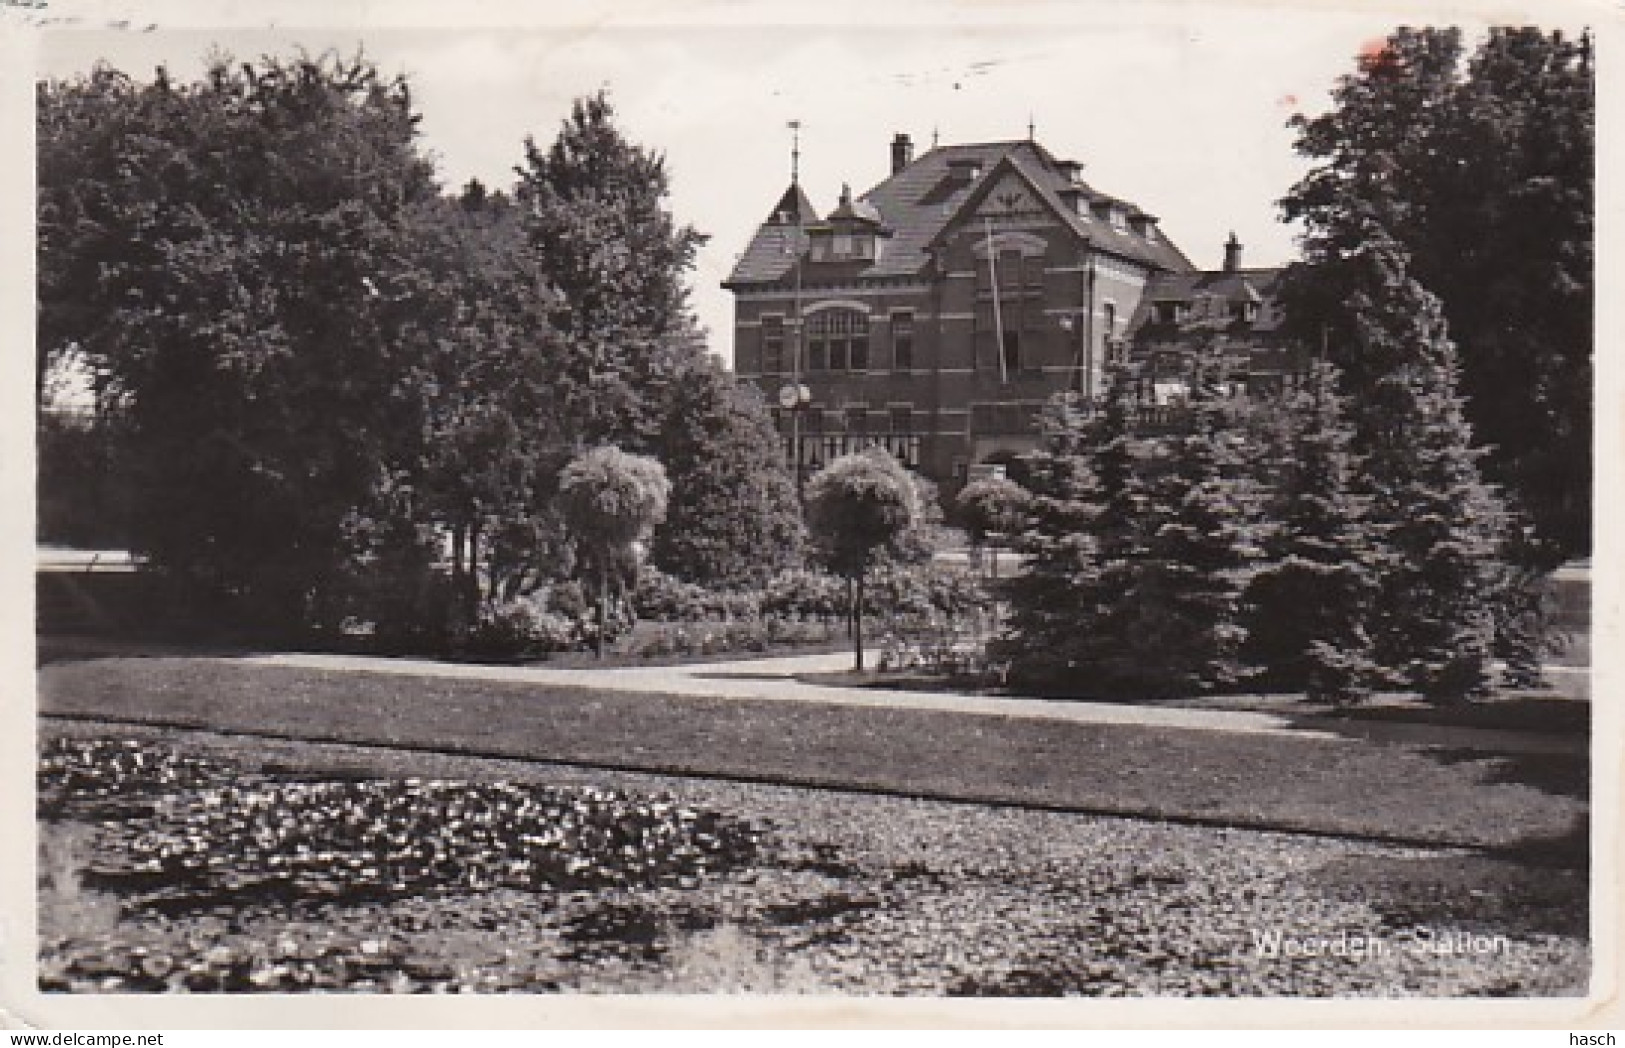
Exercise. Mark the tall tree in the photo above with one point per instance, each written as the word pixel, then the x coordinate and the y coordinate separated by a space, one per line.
pixel 595 209
pixel 209 255
pixel 1309 605
pixel 734 518
pixel 1441 525
pixel 483 464
pixel 1078 541
pixel 1181 615
pixel 1481 170
pixel 1137 549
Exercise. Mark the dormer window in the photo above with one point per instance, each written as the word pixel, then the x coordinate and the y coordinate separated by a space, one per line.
pixel 1168 312
pixel 850 233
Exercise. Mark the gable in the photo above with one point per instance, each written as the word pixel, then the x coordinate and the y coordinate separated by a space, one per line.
pixel 1006 199
pixel 1011 197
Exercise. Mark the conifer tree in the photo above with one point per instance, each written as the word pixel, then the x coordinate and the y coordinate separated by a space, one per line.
pixel 1483 169
pixel 1077 541
pixel 1440 524
pixel 1177 622
pixel 1308 605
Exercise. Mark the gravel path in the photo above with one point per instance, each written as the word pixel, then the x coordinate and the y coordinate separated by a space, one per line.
pixel 882 895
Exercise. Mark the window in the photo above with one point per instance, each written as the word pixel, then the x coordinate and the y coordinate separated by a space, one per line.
pixel 902 420
pixel 902 341
pixel 1167 312
pixel 843 245
pixel 838 340
pixel 1009 269
pixel 1108 319
pixel 1034 271
pixel 857 420
pixel 860 348
pixel 1012 350
pixel 773 345
pixel 1003 333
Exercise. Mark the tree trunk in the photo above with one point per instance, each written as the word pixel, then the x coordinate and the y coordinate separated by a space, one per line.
pixel 603 606
pixel 857 619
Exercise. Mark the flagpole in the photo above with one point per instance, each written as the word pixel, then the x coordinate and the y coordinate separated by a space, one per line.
pixel 998 319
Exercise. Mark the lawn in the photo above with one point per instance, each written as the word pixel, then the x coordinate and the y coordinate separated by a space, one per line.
pixel 1563 708
pixel 1531 805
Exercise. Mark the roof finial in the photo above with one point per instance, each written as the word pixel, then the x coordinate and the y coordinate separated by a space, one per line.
pixel 795 152
pixel 1032 130
pixel 933 136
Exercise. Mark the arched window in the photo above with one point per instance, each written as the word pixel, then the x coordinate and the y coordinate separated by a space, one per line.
pixel 838 340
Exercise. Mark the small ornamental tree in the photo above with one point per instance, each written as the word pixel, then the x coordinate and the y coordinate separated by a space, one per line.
pixel 1309 603
pixel 858 506
pixel 611 501
pixel 991 506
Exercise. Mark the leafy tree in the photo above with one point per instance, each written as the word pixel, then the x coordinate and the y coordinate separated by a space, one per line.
pixel 734 517
pixel 207 249
pixel 611 501
pixel 83 491
pixel 484 460
pixel 1481 170
pixel 857 506
pixel 594 210
pixel 1308 606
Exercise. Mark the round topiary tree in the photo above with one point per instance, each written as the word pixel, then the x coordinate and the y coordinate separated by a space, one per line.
pixel 857 506
pixel 990 506
pixel 611 501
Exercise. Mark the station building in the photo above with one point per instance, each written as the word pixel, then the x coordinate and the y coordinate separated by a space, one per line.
pixel 938 312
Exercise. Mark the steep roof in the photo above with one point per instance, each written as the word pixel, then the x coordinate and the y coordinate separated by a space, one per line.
pixel 793 205
pixel 1256 285
pixel 920 201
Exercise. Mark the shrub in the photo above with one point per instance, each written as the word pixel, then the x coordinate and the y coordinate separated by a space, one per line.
pixel 804 594
pixel 521 629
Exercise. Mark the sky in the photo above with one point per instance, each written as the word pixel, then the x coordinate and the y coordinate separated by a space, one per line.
pixel 1181 109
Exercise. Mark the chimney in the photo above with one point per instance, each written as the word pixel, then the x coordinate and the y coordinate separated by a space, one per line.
pixel 1232 253
pixel 902 152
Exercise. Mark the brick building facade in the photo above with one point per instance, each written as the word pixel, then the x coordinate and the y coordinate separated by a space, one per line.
pixel 936 314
